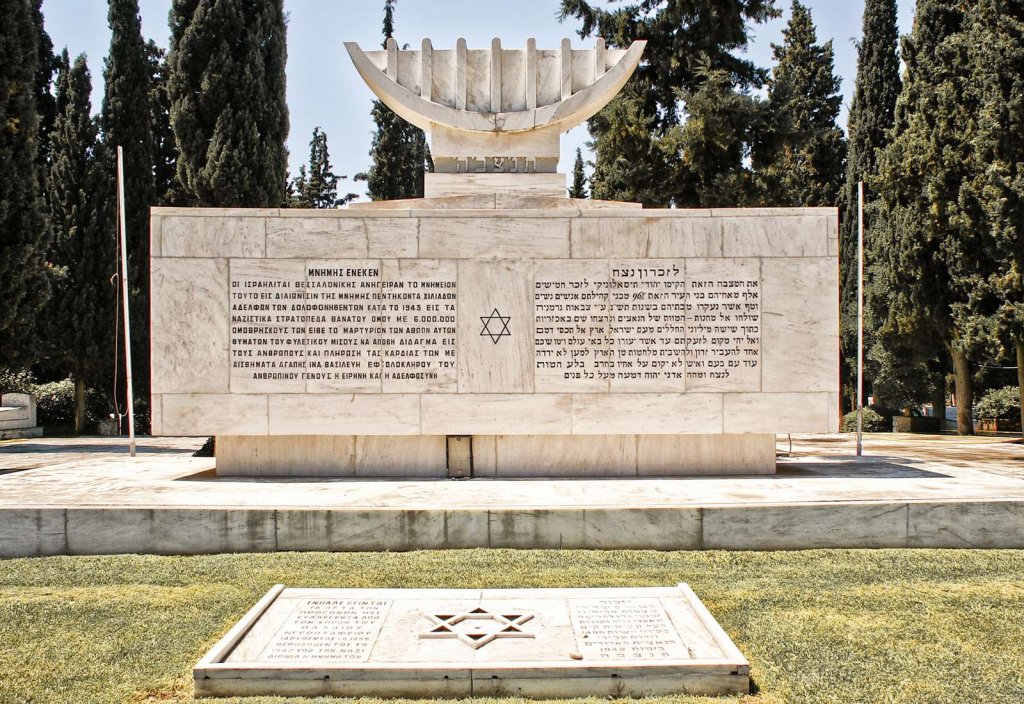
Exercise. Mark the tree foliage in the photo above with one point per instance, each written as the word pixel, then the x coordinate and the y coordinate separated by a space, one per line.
pixel 226 84
pixel 317 186
pixel 998 49
pixel 715 142
pixel 399 152
pixel 871 116
pixel 930 242
pixel 46 108
pixel 685 39
pixel 24 238
pixel 166 188
pixel 81 315
pixel 579 178
pixel 126 121
pixel 801 157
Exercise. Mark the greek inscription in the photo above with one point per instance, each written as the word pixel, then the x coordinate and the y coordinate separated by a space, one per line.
pixel 328 629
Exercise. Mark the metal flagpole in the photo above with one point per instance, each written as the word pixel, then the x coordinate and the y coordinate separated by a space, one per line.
pixel 860 322
pixel 124 296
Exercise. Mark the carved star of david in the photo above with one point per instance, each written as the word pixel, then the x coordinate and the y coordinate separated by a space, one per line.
pixel 478 627
pixel 491 323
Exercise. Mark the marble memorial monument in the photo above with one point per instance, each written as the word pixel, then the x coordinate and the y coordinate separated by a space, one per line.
pixel 496 327
pixel 455 643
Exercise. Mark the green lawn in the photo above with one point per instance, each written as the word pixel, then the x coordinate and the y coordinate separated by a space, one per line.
pixel 817 626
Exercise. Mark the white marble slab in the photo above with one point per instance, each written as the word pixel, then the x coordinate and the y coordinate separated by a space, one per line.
pixel 458 642
pixel 228 236
pixel 788 314
pixel 190 314
pixel 494 238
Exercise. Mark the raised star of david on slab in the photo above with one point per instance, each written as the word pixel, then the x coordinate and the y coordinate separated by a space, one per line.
pixel 492 323
pixel 478 627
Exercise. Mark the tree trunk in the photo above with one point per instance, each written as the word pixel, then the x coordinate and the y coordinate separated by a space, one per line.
pixel 964 393
pixel 79 406
pixel 1020 379
pixel 939 399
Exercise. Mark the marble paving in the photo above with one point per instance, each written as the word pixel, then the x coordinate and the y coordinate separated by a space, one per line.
pixel 85 495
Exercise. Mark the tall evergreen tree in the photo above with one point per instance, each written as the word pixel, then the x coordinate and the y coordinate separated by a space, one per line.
pixel 317 186
pixel 46 109
pixel 632 161
pixel 166 189
pixel 931 241
pixel 126 120
pixel 715 142
pixel 399 150
pixel 81 314
pixel 226 83
pixel 800 161
pixel 579 178
pixel 629 165
pixel 871 116
pixel 998 46
pixel 24 281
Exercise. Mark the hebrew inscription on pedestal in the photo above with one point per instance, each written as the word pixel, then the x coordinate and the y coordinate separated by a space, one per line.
pixel 541 643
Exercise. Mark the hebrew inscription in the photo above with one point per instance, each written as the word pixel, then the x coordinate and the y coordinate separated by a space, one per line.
pixel 648 326
pixel 625 629
pixel 328 629
pixel 342 326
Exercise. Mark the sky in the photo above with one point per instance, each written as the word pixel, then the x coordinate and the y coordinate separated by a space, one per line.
pixel 325 91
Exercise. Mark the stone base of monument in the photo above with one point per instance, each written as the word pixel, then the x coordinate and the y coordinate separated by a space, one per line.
pixel 540 643
pixel 497 456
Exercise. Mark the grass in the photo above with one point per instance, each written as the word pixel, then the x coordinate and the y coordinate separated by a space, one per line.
pixel 818 626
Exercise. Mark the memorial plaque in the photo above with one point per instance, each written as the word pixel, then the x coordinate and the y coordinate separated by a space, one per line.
pixel 625 629
pixel 356 326
pixel 328 630
pixel 651 325
pixel 458 643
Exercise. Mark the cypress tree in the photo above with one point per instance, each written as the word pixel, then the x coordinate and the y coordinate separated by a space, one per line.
pixel 930 243
pixel 81 314
pixel 399 150
pixel 871 116
pixel 579 178
pixel 226 83
pixel 126 120
pixel 317 186
pixel 998 47
pixel 632 161
pixel 166 189
pixel 24 282
pixel 800 162
pixel 46 108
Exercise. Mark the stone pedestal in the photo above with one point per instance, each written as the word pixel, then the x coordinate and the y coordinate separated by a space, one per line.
pixel 566 338
pixel 499 456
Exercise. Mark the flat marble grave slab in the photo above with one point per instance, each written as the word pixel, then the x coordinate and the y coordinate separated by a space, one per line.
pixel 469 642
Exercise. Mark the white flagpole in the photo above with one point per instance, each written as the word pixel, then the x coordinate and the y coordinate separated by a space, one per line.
pixel 860 322
pixel 124 297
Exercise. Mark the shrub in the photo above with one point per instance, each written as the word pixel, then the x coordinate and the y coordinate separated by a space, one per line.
pixel 999 403
pixel 873 422
pixel 17 381
pixel 55 403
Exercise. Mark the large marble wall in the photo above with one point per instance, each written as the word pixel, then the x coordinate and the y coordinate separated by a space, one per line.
pixel 525 321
